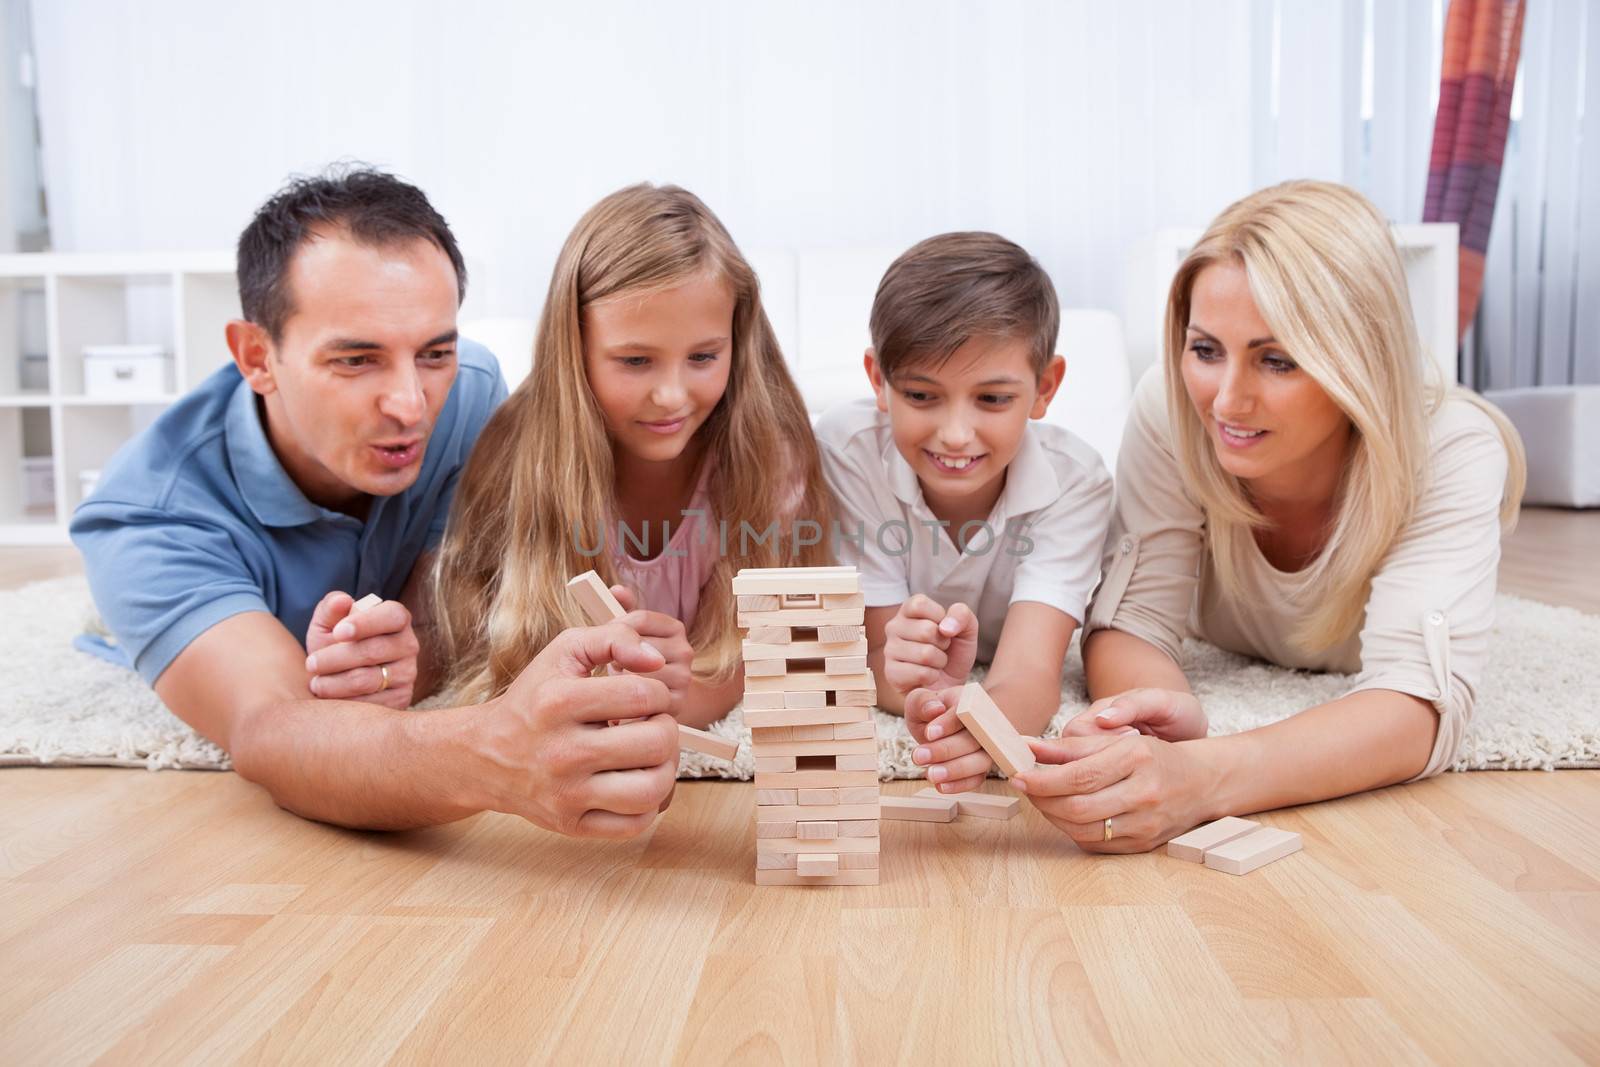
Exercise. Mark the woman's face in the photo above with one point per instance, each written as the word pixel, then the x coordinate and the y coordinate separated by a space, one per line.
pixel 1272 426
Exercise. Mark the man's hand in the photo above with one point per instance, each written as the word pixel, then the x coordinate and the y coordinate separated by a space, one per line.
pixel 543 749
pixel 350 653
pixel 927 647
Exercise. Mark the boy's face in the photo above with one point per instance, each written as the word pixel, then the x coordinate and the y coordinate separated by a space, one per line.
pixel 959 424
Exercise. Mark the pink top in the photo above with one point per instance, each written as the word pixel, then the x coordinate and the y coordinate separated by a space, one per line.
pixel 671 581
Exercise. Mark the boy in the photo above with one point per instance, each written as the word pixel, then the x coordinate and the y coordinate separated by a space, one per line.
pixel 981 529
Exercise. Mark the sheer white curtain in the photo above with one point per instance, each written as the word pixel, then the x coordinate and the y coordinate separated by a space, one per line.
pixel 1076 128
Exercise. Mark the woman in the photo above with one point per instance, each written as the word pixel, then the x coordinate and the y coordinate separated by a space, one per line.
pixel 1291 488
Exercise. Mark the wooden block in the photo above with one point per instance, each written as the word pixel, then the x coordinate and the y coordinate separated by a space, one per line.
pixel 844 664
pixel 822 731
pixel 860 794
pixel 994 731
pixel 818 866
pixel 761 602
pixel 858 861
pixel 809 681
pixel 776 797
pixel 763 700
pixel 1255 849
pixel 793 878
pixel 802 716
pixel 917 809
pixel 837 632
pixel 749 583
pixel 769 635
pixel 765 668
pixel 815 798
pixel 856 698
pixel 865 745
pixel 777 861
pixel 857 828
pixel 814 699
pixel 773 845
pixel 805 649
pixel 814 831
pixel 831 568
pixel 774 763
pixel 818 617
pixel 709 743
pixel 866 761
pixel 1193 845
pixel 777 829
pixel 371 600
pixel 844 600
pixel 594 599
pixel 850 731
pixel 795 813
pixel 815 779
pixel 979 805
pixel 772 735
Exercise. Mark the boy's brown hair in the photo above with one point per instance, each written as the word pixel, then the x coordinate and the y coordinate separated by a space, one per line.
pixel 946 290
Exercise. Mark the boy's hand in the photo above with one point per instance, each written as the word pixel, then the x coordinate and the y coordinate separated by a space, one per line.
pixel 927 647
pixel 954 760
pixel 1165 713
pixel 353 654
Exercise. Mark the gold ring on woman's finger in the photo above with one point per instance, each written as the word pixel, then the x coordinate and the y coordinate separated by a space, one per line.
pixel 384 667
pixel 1108 834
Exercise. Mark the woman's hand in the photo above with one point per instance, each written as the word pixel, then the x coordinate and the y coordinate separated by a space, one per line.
pixel 1171 715
pixel 1150 790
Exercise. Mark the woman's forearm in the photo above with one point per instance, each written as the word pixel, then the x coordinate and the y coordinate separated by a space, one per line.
pixel 1115 662
pixel 1362 741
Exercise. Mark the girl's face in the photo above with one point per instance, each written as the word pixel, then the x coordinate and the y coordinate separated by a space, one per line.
pixel 1271 425
pixel 658 364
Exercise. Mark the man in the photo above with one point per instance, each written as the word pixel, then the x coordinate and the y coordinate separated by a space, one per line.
pixel 319 468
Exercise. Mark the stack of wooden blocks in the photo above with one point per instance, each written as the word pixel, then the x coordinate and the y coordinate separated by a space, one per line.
pixel 808 702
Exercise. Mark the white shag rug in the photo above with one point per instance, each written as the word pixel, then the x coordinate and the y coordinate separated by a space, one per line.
pixel 1538 704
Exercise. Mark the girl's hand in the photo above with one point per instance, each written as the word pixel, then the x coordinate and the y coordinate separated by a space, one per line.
pixel 1151 790
pixel 954 760
pixel 1165 713
pixel 927 647
pixel 667 636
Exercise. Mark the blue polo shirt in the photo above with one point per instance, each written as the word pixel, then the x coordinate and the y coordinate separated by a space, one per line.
pixel 195 520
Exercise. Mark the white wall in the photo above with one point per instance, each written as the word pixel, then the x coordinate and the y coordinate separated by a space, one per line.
pixel 1073 127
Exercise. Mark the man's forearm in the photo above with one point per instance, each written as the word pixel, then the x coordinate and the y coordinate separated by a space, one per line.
pixel 359 765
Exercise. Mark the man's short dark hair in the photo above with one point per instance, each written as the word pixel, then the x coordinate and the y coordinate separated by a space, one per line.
pixel 374 207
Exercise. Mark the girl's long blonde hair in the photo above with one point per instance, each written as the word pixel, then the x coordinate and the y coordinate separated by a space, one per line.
pixel 1327 278
pixel 543 467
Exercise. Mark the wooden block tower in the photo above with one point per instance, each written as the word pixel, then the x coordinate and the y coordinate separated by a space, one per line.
pixel 808 702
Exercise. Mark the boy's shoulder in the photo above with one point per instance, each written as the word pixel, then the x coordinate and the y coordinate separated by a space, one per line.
pixel 1073 459
pixel 853 422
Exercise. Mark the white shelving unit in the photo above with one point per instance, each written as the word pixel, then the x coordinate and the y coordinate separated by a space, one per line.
pixel 51 306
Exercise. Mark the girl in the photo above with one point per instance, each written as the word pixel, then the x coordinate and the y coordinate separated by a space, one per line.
pixel 1293 486
pixel 657 389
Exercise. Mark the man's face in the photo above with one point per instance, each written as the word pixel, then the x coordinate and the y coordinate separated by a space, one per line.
pixel 364 365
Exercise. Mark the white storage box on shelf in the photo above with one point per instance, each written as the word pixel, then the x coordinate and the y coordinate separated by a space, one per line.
pixel 1560 428
pixel 126 370
pixel 38 482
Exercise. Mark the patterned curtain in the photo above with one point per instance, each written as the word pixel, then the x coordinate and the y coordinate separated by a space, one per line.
pixel 1482 39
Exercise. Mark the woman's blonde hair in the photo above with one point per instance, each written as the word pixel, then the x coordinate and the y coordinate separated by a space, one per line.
pixel 1327 278
pixel 542 470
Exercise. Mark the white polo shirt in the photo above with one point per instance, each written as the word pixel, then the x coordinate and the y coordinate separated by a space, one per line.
pixel 1045 535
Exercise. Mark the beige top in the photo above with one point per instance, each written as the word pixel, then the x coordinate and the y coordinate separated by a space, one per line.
pixel 1430 609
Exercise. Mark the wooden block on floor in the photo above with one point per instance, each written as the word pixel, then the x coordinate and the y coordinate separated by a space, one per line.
pixel 1193 845
pixel 371 600
pixel 770 701
pixel 813 831
pixel 857 828
pixel 830 715
pixel 978 805
pixel 837 632
pixel 769 635
pixel 844 664
pixel 812 798
pixel 994 731
pixel 774 763
pixel 860 794
pixel 794 844
pixel 865 761
pixel 777 829
pixel 856 698
pixel 822 731
pixel 594 599
pixel 760 602
pixel 844 600
pixel 817 617
pixel 765 668
pixel 809 681
pixel 812 699
pixel 795 813
pixel 772 735
pixel 805 649
pixel 793 878
pixel 1255 849
pixel 852 731
pixel 858 861
pixel 829 747
pixel 707 742
pixel 770 797
pixel 796 583
pixel 819 865
pixel 815 779
pixel 917 809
